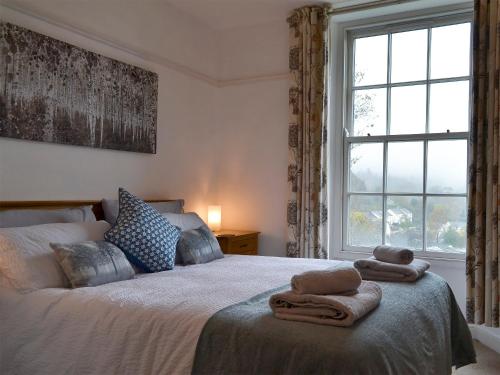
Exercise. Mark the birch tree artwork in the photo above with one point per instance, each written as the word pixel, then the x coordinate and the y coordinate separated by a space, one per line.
pixel 51 91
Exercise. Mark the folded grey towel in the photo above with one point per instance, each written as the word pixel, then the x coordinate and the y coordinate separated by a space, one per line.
pixel 338 280
pixel 392 254
pixel 373 269
pixel 332 310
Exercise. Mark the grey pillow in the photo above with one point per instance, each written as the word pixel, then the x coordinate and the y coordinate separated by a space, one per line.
pixel 28 217
pixel 198 246
pixel 187 221
pixel 92 263
pixel 111 208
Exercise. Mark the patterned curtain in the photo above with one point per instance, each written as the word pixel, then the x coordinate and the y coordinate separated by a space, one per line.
pixel 484 151
pixel 307 205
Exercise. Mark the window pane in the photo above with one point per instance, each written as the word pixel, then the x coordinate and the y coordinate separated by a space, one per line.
pixel 404 222
pixel 408 114
pixel 366 167
pixel 446 222
pixel 370 60
pixel 409 56
pixel 365 220
pixel 370 112
pixel 447 167
pixel 449 107
pixel 450 51
pixel 405 167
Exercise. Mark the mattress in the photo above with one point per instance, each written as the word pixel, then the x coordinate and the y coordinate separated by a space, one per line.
pixel 148 325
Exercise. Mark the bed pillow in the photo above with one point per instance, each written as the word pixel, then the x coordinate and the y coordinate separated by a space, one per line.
pixel 198 246
pixel 111 208
pixel 24 218
pixel 92 263
pixel 27 261
pixel 187 221
pixel 144 235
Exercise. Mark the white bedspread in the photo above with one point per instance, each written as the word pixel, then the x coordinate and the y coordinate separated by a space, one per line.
pixel 149 325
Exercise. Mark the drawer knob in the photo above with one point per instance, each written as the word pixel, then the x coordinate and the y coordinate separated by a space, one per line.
pixel 243 245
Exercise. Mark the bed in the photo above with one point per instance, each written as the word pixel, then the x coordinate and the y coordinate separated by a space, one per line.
pixel 214 318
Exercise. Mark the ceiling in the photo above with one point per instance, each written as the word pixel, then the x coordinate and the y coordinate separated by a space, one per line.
pixel 215 14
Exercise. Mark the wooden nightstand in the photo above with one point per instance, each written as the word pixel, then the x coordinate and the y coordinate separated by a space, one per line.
pixel 238 242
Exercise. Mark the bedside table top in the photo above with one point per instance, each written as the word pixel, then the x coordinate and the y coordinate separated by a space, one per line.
pixel 233 233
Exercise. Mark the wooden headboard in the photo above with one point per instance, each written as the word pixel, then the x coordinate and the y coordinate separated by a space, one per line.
pixel 96 205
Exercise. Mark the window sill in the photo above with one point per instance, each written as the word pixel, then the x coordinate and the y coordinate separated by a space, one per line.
pixel 433 259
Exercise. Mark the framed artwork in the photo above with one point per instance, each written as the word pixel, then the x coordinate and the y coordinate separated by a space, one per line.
pixel 52 91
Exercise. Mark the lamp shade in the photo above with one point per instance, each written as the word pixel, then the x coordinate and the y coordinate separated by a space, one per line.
pixel 214 217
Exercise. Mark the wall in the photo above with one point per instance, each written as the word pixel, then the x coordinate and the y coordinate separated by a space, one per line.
pixel 152 29
pixel 253 124
pixel 30 170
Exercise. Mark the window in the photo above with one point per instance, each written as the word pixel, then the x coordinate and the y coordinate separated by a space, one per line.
pixel 405 140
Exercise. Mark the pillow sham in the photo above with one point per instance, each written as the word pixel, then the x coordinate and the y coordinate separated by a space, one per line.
pixel 111 208
pixel 187 221
pixel 27 261
pixel 92 263
pixel 24 218
pixel 143 234
pixel 198 246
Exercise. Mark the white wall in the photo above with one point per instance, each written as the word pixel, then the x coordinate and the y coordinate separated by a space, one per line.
pixel 251 52
pixel 185 163
pixel 253 129
pixel 151 28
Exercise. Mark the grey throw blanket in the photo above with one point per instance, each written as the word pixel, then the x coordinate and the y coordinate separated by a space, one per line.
pixel 373 269
pixel 417 329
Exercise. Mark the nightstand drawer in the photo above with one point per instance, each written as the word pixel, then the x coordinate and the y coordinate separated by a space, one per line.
pixel 239 242
pixel 243 246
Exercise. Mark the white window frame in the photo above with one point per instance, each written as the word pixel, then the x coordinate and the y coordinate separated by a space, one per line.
pixel 340 82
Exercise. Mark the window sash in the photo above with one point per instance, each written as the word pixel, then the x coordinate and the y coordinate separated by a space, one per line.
pixel 348 139
pixel 384 193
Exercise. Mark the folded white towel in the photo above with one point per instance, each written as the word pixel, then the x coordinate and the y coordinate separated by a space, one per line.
pixel 373 269
pixel 334 310
pixel 392 254
pixel 338 280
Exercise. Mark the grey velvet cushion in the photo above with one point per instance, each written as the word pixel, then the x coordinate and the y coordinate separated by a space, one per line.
pixel 186 221
pixel 111 208
pixel 92 263
pixel 198 246
pixel 24 218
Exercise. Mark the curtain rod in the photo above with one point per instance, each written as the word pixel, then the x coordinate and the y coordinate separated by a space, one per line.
pixel 366 6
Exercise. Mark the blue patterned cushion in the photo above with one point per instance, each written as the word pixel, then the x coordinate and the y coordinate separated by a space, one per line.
pixel 143 234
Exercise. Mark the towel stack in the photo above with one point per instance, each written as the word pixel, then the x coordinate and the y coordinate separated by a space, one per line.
pixel 391 264
pixel 335 296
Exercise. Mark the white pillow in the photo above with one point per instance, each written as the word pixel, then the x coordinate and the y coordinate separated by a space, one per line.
pixel 187 221
pixel 24 218
pixel 27 261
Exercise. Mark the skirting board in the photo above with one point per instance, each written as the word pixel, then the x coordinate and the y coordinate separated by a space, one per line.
pixel 488 336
